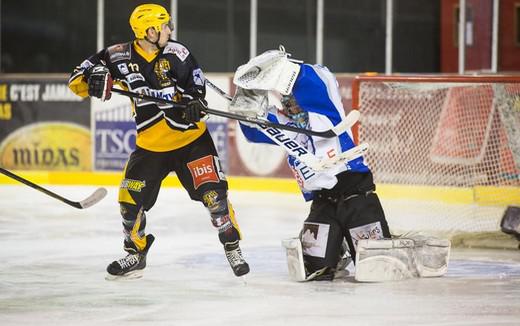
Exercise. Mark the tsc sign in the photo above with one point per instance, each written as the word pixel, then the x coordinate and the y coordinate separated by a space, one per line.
pixel 115 140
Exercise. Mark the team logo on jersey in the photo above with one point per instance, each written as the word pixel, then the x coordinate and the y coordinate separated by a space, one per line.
pixel 123 68
pixel 178 49
pixel 331 153
pixel 198 77
pixel 203 171
pixel 134 77
pixel 161 69
pixel 86 64
pixel 133 185
pixel 210 199
pixel 119 52
pixel 168 93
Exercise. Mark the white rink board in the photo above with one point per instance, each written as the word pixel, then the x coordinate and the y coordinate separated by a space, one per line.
pixel 53 261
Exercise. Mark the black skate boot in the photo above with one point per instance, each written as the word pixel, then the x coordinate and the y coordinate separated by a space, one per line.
pixel 235 258
pixel 132 265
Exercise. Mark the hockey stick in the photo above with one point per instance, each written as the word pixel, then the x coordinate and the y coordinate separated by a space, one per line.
pixel 93 199
pixel 334 132
pixel 301 153
pixel 219 91
pixel 306 157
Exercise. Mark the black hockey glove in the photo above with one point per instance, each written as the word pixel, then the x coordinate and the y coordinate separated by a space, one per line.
pixel 195 110
pixel 100 82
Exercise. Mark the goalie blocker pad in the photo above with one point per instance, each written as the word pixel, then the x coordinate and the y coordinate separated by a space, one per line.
pixel 402 258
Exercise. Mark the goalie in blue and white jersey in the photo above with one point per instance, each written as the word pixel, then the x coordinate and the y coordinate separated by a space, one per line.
pixel 344 202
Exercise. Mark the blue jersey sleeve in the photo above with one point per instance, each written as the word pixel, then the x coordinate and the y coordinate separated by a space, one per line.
pixel 256 136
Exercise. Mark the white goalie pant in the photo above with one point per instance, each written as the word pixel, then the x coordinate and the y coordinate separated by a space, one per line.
pixel 402 258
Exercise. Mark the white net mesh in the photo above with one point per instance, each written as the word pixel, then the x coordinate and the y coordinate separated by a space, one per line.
pixel 445 156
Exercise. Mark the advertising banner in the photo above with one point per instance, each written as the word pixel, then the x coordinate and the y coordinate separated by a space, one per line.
pixel 114 132
pixel 43 126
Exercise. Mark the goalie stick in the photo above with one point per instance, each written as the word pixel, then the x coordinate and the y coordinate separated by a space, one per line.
pixel 306 157
pixel 301 153
pixel 93 199
pixel 334 132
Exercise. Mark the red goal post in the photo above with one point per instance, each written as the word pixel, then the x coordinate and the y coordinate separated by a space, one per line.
pixel 444 150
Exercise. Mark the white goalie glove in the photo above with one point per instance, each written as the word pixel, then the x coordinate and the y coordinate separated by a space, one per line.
pixel 270 71
pixel 249 102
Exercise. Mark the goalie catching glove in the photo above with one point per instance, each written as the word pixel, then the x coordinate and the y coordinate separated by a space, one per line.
pixel 249 102
pixel 271 71
pixel 100 82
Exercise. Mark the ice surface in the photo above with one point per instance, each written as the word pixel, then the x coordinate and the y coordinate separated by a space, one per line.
pixel 53 260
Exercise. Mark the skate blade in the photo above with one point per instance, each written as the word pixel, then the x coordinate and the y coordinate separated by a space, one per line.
pixel 128 276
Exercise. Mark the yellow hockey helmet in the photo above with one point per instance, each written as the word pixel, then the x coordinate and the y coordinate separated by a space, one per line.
pixel 146 16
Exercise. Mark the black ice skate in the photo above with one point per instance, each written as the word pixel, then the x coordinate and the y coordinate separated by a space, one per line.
pixel 235 258
pixel 132 265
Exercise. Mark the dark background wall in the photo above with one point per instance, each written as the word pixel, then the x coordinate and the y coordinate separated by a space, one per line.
pixel 46 36
pixel 55 35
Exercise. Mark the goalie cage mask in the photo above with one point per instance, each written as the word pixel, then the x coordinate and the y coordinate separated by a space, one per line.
pixel 294 112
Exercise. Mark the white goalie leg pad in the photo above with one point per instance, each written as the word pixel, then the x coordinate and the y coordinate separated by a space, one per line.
pixel 399 259
pixel 432 255
pixel 271 70
pixel 249 103
pixel 384 260
pixel 295 265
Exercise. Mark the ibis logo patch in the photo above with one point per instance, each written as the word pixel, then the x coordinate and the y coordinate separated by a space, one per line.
pixel 53 146
pixel 203 171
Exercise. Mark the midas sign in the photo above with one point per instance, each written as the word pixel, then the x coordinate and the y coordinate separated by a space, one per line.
pixel 47 146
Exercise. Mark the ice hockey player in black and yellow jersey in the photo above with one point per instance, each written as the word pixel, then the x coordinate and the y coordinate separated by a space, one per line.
pixel 168 139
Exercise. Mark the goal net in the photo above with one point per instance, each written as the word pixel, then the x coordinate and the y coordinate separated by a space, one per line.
pixel 445 151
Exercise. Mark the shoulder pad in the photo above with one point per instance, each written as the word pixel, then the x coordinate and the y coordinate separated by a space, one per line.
pixel 178 49
pixel 119 52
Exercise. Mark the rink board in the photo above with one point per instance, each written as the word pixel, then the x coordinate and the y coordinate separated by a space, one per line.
pixel 481 195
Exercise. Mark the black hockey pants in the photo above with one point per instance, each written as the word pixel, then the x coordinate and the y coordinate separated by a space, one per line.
pixel 351 211
pixel 198 168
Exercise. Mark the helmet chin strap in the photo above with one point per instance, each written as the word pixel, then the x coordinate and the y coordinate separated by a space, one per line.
pixel 156 43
